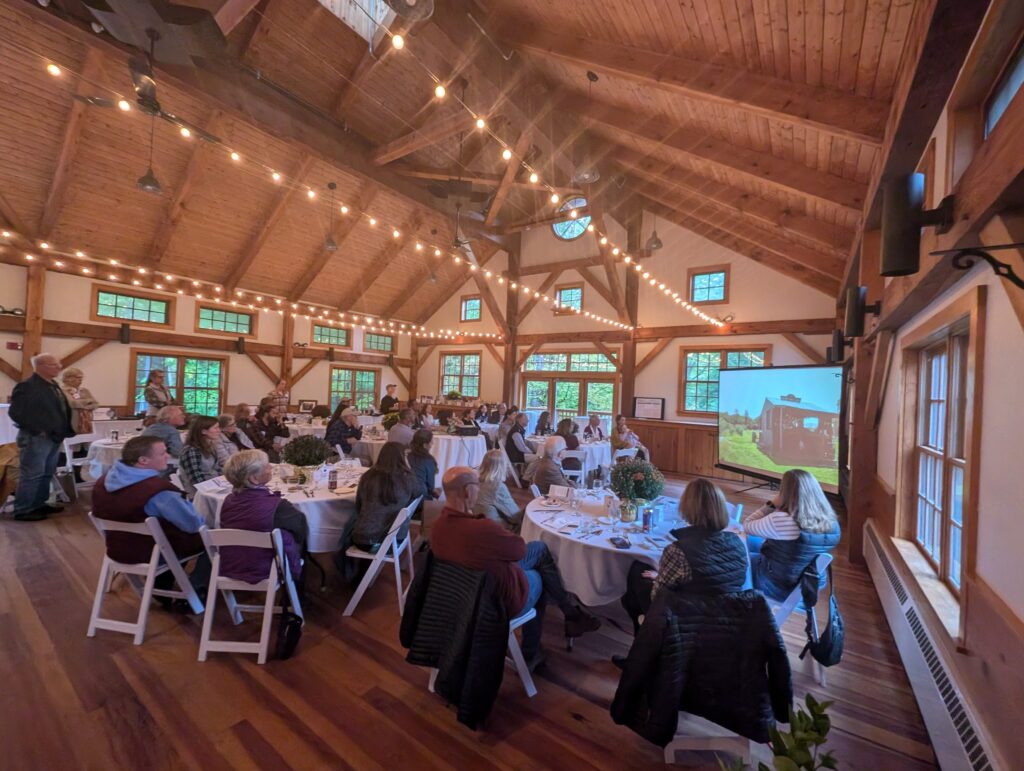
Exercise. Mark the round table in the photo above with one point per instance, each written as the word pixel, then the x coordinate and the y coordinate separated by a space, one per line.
pixel 491 429
pixel 327 512
pixel 103 453
pixel 370 420
pixel 597 453
pixel 306 429
pixel 448 451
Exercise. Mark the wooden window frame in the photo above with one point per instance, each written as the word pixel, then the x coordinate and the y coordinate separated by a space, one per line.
pixel 462 308
pixel 702 271
pixel 252 334
pixel 765 348
pixel 394 344
pixel 568 353
pixel 566 311
pixel 313 323
pixel 440 370
pixel 134 353
pixel 968 309
pixel 97 287
pixel 378 372
pixel 987 101
pixel 584 379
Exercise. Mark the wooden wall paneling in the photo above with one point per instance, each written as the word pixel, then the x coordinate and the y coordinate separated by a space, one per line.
pixel 14 220
pixel 381 261
pixel 32 340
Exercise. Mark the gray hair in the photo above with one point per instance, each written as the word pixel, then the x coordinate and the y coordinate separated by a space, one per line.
pixel 241 467
pixel 553 445
pixel 71 372
pixel 165 413
pixel 40 356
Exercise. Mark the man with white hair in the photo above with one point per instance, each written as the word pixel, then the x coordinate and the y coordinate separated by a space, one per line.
pixel 43 416
pixel 548 470
pixel 169 421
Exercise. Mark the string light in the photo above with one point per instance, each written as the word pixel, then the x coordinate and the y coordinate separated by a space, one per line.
pixel 185 132
pixel 311 194
pixel 398 42
pixel 276 176
pixel 534 178
pixel 123 105
pixel 344 209
pixel 506 154
pixel 235 156
pixel 481 123
pixel 439 91
pixel 53 69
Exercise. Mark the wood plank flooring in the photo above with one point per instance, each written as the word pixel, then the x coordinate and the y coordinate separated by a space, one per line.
pixel 348 700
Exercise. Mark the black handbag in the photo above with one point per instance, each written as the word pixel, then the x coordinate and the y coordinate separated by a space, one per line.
pixel 289 627
pixel 827 647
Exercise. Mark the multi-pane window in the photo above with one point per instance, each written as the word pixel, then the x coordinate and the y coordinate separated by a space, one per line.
pixel 590 362
pixel 568 362
pixel 196 383
pixel 469 309
pixel 1009 84
pixel 336 336
pixel 709 285
pixel 571 227
pixel 214 319
pixel 941 456
pixel 128 307
pixel 570 298
pixel 359 385
pixel 372 341
pixel 546 362
pixel 699 374
pixel 460 372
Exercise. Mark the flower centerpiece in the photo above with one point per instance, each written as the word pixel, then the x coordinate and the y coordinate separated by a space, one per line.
pixel 389 420
pixel 453 396
pixel 634 481
pixel 306 453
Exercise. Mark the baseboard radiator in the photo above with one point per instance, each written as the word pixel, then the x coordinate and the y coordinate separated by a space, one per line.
pixel 953 729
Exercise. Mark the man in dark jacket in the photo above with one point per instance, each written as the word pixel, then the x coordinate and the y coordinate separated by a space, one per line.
pixel 43 416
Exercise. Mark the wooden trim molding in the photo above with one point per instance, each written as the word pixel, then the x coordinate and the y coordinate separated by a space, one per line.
pixel 722 349
pixel 170 299
pixel 134 353
pixel 462 308
pixel 378 373
pixel 313 323
pixel 700 271
pixel 560 311
pixel 254 320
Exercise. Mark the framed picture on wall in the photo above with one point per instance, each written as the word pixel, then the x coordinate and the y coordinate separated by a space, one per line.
pixel 652 407
pixel 306 406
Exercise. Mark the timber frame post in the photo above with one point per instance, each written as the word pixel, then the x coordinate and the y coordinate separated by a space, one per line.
pixel 32 341
pixel 632 290
pixel 508 379
pixel 287 347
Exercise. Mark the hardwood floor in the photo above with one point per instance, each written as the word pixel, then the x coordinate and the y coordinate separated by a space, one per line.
pixel 348 699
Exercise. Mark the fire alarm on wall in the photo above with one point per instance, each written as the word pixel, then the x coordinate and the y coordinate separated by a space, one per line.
pixel 13 346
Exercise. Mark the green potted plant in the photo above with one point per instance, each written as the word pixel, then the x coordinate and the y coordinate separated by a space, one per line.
pixel 389 420
pixel 799 748
pixel 306 453
pixel 453 395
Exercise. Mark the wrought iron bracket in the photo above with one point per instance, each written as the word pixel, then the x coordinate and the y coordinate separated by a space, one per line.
pixel 965 259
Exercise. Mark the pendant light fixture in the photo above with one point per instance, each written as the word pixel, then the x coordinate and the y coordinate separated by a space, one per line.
pixel 148 181
pixel 653 242
pixel 586 172
pixel 330 244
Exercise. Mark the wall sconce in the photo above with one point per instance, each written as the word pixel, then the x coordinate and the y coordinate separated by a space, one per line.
pixel 856 309
pixel 903 216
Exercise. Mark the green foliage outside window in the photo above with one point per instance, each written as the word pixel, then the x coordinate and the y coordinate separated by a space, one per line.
pixel 700 391
pixel 130 308
pixel 470 309
pixel 330 335
pixel 461 372
pixel 707 287
pixel 375 342
pixel 225 321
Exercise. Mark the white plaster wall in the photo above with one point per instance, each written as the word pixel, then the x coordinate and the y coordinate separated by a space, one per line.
pixel 1001 487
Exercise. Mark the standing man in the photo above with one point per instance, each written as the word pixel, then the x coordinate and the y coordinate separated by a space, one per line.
pixel 43 416
pixel 389 402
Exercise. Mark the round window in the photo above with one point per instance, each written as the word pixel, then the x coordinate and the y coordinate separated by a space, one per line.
pixel 570 229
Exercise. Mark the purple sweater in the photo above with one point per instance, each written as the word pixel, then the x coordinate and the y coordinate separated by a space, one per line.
pixel 253 509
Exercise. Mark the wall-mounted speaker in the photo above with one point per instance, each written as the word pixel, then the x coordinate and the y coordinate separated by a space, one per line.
pixel 836 352
pixel 903 216
pixel 240 345
pixel 330 354
pixel 126 334
pixel 856 309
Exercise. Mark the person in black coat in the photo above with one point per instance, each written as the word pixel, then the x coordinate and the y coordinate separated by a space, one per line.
pixel 43 416
pixel 423 464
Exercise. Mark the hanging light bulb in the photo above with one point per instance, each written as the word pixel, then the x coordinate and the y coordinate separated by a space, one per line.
pixel 555 198
pixel 534 179
pixel 54 70
pixel 276 176
pixel 398 42
pixel 481 123
pixel 235 156
pixel 653 242
pixel 123 105
pixel 506 154
pixel 185 132
pixel 439 91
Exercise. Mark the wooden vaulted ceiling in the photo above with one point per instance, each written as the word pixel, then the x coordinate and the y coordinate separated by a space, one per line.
pixel 756 123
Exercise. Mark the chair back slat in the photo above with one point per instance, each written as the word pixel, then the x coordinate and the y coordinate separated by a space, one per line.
pixel 108 525
pixel 227 536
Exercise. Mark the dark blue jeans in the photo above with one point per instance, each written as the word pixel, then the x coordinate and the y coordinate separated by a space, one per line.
pixel 38 462
pixel 545 584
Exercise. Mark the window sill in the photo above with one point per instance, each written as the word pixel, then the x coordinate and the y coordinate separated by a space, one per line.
pixel 943 601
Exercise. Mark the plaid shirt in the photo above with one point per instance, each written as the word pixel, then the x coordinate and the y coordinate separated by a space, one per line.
pixel 674 570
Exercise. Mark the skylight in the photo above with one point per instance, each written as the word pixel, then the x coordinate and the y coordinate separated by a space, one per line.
pixel 363 16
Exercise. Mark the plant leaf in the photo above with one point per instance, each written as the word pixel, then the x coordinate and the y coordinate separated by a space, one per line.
pixel 782 763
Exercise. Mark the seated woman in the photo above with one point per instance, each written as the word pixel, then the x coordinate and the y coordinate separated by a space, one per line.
pixel 482 414
pixel 704 557
pixel 198 460
pixel 548 470
pixel 264 429
pixel 251 506
pixel 623 438
pixel 506 426
pixel 498 414
pixel 423 464
pixel 543 427
pixel 343 430
pixel 231 439
pixel 384 490
pixel 797 526
pixel 426 416
pixel 494 500
pixel 568 430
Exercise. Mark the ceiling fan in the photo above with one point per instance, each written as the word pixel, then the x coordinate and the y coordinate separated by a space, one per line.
pixel 458 242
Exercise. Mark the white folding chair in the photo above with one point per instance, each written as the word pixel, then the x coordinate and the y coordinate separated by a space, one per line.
pixel 735 511
pixel 149 570
pixel 71 462
pixel 782 610
pixel 696 734
pixel 216 540
pixel 579 474
pixel 625 452
pixel 535 491
pixel 515 655
pixel 390 550
pixel 511 466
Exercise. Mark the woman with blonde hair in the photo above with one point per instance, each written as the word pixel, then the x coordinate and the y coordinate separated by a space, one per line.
pixel 81 401
pixel 494 500
pixel 796 526
pixel 705 557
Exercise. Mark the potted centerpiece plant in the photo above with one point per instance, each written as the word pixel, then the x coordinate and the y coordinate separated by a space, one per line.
pixel 389 420
pixel 454 396
pixel 306 453
pixel 635 481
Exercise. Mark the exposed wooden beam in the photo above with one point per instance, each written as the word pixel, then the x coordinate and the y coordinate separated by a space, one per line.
pixel 528 353
pixel 827 264
pixel 747 248
pixel 801 326
pixel 306 369
pixel 287 345
pixel 832 112
pixel 491 303
pixel 446 290
pixel 788 177
pixel 201 154
pixel 532 303
pixel 266 370
pixel 59 182
pixel 808 350
pixel 604 349
pixel 10 370
pixel 323 354
pixel 547 267
pixel 402 379
pixel 232 13
pixel 11 217
pixel 597 285
pixel 268 222
pixel 512 168
pixel 774 215
pixel 434 132
pixel 495 355
pixel 342 230
pixel 424 353
pixel 81 352
pixel 382 261
pixel 482 178
pixel 651 355
pixel 619 336
pixel 535 221
pixel 378 51
pixel 611 271
pixel 32 340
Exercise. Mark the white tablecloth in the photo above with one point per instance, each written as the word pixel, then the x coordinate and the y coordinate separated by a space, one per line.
pixel 491 429
pixel 326 512
pixel 103 453
pixel 370 420
pixel 8 431
pixel 447 450
pixel 304 429
pixel 598 453
pixel 101 428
